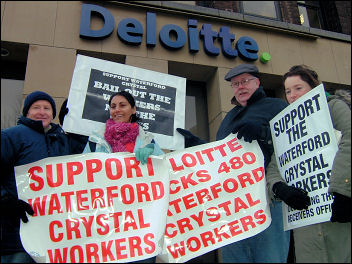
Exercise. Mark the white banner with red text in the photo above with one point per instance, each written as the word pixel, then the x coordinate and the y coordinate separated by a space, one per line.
pixel 94 207
pixel 100 207
pixel 217 197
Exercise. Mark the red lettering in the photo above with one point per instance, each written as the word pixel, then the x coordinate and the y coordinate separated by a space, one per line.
pixel 67 196
pixel 142 189
pixel 239 204
pixel 233 145
pixel 118 168
pixel 37 178
pixel 203 195
pixel 59 173
pixel 245 177
pixel 57 258
pixel 177 189
pixel 93 169
pixel 135 244
pixel 73 168
pixel 256 175
pixel 101 221
pixel 250 200
pixel 184 223
pixel 185 180
pixel 124 198
pixel 207 237
pixel 246 221
pixel 158 185
pixel 189 202
pixel 88 224
pixel 221 149
pixel 148 240
pixel 119 248
pixel 221 232
pixel 197 244
pixel 233 226
pixel 97 196
pixel 74 228
pixel 142 224
pixel 174 166
pixel 37 206
pixel 73 255
pixel 174 232
pixel 213 211
pixel 92 251
pixel 106 251
pixel 193 161
pixel 116 220
pixel 54 204
pixel 132 164
pixel 203 175
pixel 81 200
pixel 52 231
pixel 110 195
pixel 261 216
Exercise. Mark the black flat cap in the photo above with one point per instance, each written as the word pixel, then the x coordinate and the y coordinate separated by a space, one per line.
pixel 243 68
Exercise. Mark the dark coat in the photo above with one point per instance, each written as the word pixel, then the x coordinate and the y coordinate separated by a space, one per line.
pixel 22 144
pixel 259 108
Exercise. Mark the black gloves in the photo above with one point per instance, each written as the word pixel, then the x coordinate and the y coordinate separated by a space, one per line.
pixel 190 139
pixel 341 209
pixel 292 196
pixel 16 209
pixel 63 112
pixel 249 130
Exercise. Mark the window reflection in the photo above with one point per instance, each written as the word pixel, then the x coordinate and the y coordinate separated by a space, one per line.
pixel 261 8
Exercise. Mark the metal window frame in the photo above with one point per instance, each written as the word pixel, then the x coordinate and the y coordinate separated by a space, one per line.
pixel 277 11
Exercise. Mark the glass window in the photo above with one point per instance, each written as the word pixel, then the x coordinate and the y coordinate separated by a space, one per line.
pixel 309 14
pixel 261 8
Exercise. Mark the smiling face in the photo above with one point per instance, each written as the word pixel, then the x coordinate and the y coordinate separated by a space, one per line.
pixel 121 110
pixel 41 110
pixel 243 89
pixel 295 87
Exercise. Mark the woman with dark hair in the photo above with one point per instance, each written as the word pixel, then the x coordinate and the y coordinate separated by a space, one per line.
pixel 330 241
pixel 122 133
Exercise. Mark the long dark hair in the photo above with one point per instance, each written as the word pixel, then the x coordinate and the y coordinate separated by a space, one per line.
pixel 307 74
pixel 131 101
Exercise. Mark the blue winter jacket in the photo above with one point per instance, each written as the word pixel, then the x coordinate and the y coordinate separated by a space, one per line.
pixel 259 108
pixel 23 144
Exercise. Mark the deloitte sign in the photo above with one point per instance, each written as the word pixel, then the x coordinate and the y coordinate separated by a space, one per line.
pixel 130 31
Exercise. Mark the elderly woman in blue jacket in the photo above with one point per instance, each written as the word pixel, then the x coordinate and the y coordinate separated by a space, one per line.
pixel 122 133
pixel 34 138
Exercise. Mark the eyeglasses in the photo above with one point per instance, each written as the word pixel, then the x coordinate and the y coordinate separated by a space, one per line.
pixel 243 83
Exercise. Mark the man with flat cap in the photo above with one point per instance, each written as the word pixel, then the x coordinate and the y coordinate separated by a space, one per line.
pixel 250 120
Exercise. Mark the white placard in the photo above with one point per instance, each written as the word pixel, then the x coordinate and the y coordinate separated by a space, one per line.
pixel 305 147
pixel 160 99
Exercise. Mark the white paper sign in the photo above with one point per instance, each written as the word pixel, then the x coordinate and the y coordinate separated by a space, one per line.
pixel 158 98
pixel 305 147
pixel 217 197
pixel 94 207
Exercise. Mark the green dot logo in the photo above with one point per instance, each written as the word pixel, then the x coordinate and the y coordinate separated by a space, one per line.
pixel 265 57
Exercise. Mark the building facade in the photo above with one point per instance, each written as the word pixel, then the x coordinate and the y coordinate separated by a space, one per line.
pixel 40 41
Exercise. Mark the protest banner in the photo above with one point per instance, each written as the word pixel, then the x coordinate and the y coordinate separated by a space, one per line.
pixel 158 97
pixel 94 207
pixel 217 197
pixel 305 147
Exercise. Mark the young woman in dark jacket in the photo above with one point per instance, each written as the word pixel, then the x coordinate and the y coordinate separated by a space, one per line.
pixel 34 138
